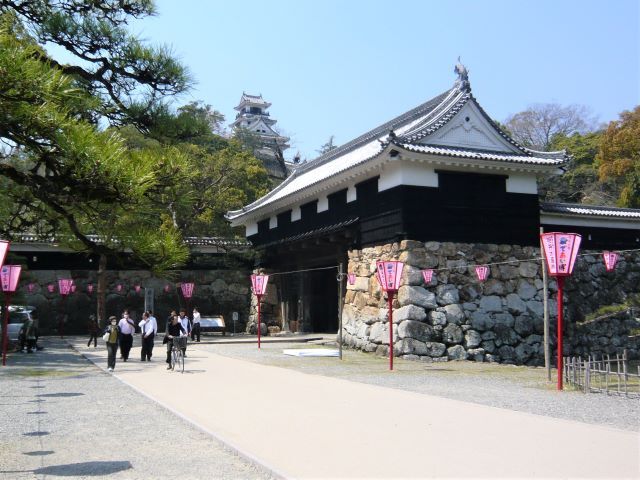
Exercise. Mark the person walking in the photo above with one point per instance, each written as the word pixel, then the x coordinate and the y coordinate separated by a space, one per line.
pixel 168 322
pixel 127 329
pixel 195 333
pixel 92 327
pixel 113 331
pixel 186 325
pixel 175 329
pixel 149 328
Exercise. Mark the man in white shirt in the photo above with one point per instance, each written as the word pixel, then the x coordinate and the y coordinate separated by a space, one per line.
pixel 149 328
pixel 127 328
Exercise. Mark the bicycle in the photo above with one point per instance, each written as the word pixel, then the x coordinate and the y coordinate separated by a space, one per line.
pixel 177 357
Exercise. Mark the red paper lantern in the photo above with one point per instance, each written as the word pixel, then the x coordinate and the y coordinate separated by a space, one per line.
pixel 610 260
pixel 351 278
pixel 389 275
pixel 560 251
pixel 137 288
pixel 4 248
pixel 187 289
pixel 482 272
pixel 9 276
pixel 259 286
pixel 427 275
pixel 119 287
pixel 73 288
pixel 64 286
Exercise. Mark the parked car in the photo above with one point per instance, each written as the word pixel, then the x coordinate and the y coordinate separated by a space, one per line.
pixel 212 324
pixel 18 315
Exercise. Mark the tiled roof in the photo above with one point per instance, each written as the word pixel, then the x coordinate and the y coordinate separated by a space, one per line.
pixel 313 233
pixel 590 210
pixel 406 129
pixel 481 155
pixel 191 241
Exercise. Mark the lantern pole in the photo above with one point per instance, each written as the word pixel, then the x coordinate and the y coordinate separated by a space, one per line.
pixel 340 306
pixel 390 295
pixel 259 323
pixel 560 311
pixel 5 322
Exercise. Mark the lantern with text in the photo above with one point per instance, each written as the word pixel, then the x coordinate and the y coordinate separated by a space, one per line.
pixel 9 276
pixel 560 251
pixel 4 248
pixel 90 288
pixel 187 292
pixel 31 287
pixel 389 275
pixel 427 275
pixel 259 286
pixel 119 288
pixel 482 272
pixel 610 260
pixel 51 288
pixel 137 288
pixel 65 288
pixel 351 278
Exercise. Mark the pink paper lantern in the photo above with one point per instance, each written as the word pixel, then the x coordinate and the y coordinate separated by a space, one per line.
pixel 187 289
pixel 64 286
pixel 119 287
pixel 482 271
pixel 9 276
pixel 259 284
pixel 427 275
pixel 389 274
pixel 31 287
pixel 560 250
pixel 166 288
pixel 610 260
pixel 137 288
pixel 73 288
pixel 351 277
pixel 4 248
pixel 90 288
pixel 51 288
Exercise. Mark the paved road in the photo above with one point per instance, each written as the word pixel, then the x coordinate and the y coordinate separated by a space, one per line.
pixel 308 426
pixel 60 416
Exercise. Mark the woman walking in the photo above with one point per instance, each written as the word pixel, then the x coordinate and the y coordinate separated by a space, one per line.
pixel 113 332
pixel 92 327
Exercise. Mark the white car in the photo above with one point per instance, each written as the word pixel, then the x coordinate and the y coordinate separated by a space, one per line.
pixel 18 314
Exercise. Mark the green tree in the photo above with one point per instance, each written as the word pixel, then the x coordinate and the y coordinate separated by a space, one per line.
pixel 618 158
pixel 328 146
pixel 63 173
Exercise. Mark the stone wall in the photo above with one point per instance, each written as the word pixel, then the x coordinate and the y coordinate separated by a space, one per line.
pixel 215 292
pixel 456 317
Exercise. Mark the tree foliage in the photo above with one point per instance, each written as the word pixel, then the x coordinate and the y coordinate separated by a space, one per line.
pixel 327 146
pixel 618 158
pixel 537 126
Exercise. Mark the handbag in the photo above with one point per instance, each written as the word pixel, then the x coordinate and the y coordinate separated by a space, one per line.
pixel 105 337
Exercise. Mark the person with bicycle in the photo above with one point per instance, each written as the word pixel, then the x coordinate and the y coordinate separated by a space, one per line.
pixel 175 329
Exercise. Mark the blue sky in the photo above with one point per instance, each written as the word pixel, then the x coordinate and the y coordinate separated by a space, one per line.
pixel 343 67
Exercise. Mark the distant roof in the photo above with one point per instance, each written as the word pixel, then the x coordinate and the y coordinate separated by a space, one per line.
pixel 253 100
pixel 406 131
pixel 590 210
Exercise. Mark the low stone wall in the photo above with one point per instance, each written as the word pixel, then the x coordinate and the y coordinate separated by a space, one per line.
pixel 456 317
pixel 216 292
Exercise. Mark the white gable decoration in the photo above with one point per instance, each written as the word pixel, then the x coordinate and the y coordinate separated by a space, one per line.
pixel 469 129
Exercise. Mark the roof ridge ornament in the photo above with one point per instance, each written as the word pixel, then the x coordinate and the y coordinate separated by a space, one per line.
pixel 463 76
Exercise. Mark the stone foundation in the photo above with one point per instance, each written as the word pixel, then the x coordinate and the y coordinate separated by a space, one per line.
pixel 456 317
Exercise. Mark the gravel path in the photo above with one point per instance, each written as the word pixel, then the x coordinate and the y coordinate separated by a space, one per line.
pixel 62 416
pixel 517 388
